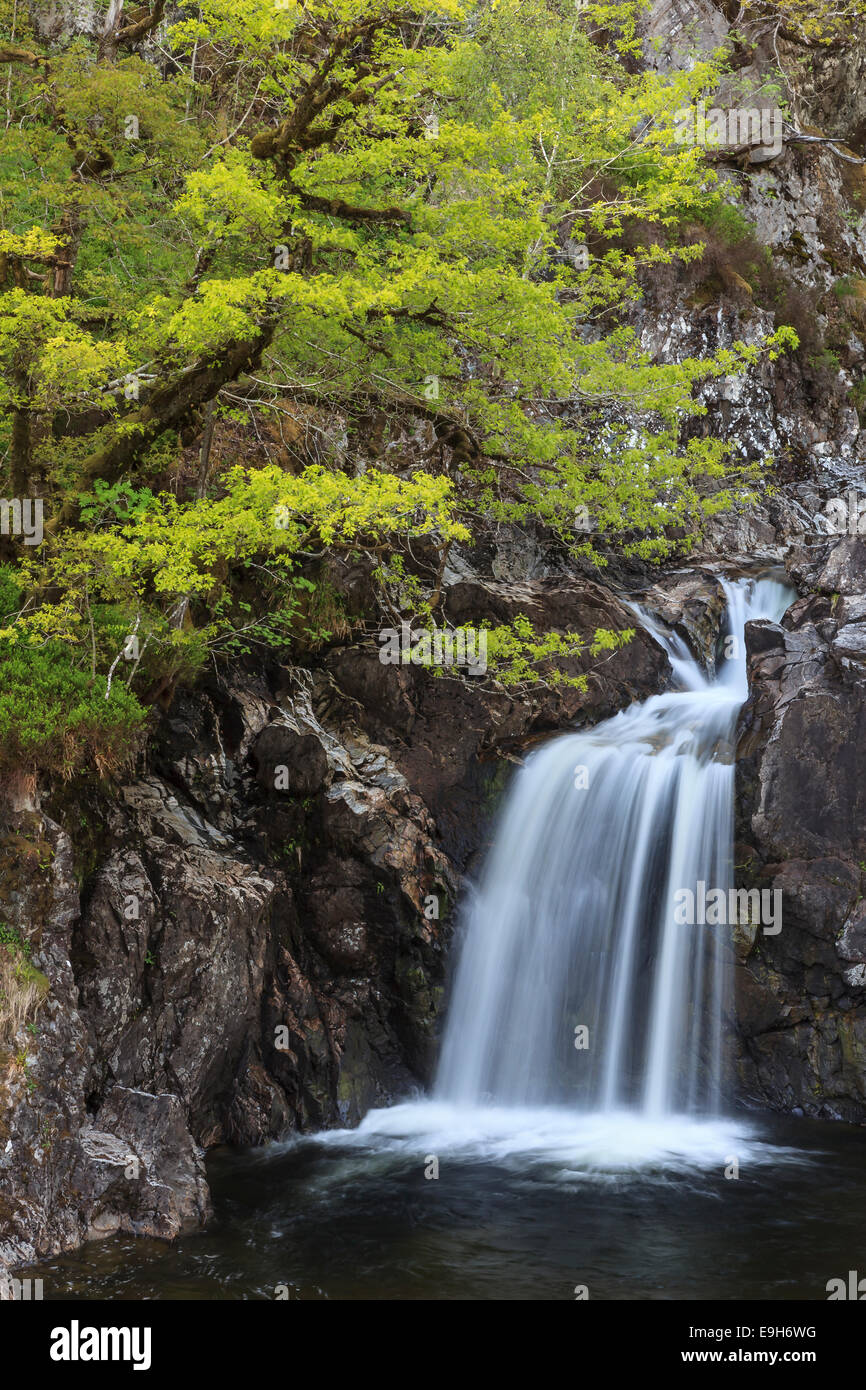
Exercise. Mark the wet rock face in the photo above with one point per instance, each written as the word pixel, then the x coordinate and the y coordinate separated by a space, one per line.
pixel 690 602
pixel 833 88
pixel 674 29
pixel 56 19
pixel 171 957
pixel 447 736
pixel 69 1172
pixel 278 747
pixel 801 828
pixel 141 1167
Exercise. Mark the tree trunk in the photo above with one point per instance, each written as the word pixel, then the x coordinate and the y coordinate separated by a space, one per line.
pixel 21 446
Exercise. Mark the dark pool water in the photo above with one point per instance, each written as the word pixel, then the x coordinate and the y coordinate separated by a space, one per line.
pixel 510 1216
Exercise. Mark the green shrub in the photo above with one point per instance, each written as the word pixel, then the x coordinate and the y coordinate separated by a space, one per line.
pixel 54 716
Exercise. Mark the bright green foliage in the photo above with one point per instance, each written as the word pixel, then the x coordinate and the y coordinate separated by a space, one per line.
pixel 53 715
pixel 347 209
pixel 53 711
pixel 517 657
pixel 48 361
pixel 172 564
pixel 810 21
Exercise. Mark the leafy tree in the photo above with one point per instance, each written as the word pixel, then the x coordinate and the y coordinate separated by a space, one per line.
pixel 339 207
pixel 809 22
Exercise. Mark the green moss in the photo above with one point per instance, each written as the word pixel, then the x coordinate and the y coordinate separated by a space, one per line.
pixel 853 1049
pixel 725 221
pixel 19 950
pixel 29 975
pixel 54 715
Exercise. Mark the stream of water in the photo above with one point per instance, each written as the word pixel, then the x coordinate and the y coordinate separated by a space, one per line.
pixel 575 923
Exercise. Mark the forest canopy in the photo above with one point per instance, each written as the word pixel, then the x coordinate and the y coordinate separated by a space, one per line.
pixel 282 282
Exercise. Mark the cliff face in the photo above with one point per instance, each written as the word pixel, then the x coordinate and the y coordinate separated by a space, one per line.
pixel 802 830
pixel 231 953
pixel 227 952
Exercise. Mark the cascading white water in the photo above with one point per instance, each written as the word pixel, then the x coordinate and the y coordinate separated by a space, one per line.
pixel 573 925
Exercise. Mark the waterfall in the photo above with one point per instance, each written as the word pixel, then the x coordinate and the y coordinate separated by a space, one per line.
pixel 577 982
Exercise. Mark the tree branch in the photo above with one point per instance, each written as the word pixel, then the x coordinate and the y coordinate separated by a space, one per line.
pixel 169 406
pixel 129 34
pixel 12 53
pixel 321 92
pixel 338 208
